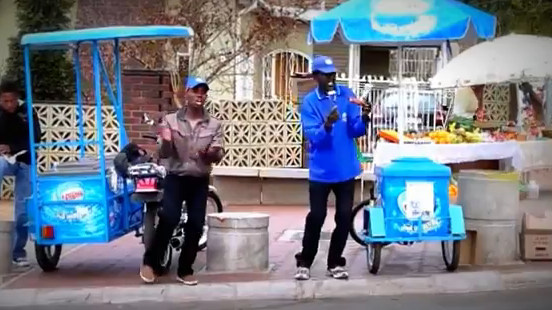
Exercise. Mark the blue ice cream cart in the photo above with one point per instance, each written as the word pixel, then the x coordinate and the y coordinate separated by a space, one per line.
pixel 84 201
pixel 412 205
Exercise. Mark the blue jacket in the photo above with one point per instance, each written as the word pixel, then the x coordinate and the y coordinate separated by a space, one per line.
pixel 332 155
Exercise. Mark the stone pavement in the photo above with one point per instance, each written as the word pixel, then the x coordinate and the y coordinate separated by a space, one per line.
pixel 117 263
pixel 109 272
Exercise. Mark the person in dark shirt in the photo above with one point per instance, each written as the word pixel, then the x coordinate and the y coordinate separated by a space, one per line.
pixel 15 160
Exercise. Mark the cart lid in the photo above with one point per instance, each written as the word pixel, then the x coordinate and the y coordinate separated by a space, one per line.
pixel 65 37
pixel 415 167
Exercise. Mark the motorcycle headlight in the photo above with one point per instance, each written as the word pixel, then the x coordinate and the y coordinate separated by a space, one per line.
pixel 113 179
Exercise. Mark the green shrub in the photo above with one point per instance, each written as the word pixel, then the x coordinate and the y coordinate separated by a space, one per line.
pixel 52 72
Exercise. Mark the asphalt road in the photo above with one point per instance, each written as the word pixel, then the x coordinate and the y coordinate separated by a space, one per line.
pixel 534 299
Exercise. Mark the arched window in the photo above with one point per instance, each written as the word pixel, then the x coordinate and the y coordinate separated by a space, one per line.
pixel 278 66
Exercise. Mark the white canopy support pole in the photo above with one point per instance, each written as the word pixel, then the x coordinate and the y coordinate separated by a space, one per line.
pixel 354 68
pixel 444 56
pixel 548 102
pixel 351 65
pixel 519 95
pixel 401 107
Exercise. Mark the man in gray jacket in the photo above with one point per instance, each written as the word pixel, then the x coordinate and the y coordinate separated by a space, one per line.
pixel 192 141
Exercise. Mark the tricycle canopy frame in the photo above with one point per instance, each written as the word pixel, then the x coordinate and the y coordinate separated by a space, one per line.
pixel 72 40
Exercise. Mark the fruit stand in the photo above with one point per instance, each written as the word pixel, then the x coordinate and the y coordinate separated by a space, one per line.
pixel 465 146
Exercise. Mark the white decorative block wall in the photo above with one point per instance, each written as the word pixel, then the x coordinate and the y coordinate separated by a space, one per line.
pixel 260 133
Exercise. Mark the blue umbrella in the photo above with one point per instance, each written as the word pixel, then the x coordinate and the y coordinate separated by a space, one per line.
pixel 401 21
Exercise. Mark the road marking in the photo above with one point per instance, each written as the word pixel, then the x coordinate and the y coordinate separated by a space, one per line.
pixel 33 268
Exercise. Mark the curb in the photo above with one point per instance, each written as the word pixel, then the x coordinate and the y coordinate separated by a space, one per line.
pixel 465 282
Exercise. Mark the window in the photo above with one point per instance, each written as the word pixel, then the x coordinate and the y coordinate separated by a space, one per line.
pixel 418 62
pixel 278 66
pixel 183 63
pixel 183 58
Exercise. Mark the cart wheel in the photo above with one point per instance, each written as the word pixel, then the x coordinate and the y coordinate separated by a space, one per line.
pixel 359 234
pixel 214 205
pixel 451 254
pixel 373 257
pixel 47 256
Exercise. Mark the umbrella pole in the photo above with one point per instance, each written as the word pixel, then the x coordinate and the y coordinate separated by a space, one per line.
pixel 400 109
pixel 548 102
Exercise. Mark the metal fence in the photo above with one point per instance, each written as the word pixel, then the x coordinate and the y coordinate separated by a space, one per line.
pixel 425 109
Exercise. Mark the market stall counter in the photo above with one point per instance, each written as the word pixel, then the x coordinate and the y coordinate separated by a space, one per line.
pixel 455 154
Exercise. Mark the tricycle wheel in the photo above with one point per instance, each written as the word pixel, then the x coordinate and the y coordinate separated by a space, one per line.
pixel 356 234
pixel 47 256
pixel 214 205
pixel 451 254
pixel 373 257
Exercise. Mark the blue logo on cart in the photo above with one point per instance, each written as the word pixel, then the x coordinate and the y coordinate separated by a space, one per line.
pixel 411 226
pixel 70 191
pixel 73 221
pixel 405 208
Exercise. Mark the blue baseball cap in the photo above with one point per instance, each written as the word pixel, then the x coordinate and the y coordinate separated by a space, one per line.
pixel 193 82
pixel 323 64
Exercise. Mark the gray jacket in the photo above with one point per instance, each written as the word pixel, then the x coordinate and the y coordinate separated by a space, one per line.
pixel 180 156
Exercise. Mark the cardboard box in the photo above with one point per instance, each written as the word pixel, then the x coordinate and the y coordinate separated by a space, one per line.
pixel 536 236
pixel 536 247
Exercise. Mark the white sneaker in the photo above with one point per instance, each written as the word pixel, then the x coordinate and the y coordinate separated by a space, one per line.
pixel 302 274
pixel 338 273
pixel 21 262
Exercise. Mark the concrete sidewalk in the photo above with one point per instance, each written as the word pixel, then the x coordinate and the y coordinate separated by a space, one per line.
pixel 463 282
pixel 108 273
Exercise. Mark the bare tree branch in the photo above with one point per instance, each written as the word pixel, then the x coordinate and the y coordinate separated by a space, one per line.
pixel 223 38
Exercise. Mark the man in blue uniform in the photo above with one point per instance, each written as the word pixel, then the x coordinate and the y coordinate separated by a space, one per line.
pixel 332 117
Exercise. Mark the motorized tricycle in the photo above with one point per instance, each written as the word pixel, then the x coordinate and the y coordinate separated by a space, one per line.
pixel 84 200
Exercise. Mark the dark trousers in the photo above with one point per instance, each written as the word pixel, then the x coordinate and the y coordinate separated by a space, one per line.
pixel 318 196
pixel 177 189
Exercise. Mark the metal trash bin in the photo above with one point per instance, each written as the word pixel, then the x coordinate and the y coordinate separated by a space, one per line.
pixel 237 242
pixel 490 200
